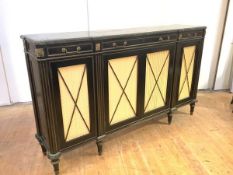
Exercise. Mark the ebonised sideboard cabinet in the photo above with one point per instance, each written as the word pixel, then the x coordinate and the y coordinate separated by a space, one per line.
pixel 86 85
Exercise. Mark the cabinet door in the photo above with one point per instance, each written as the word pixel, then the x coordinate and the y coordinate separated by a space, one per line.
pixel 120 87
pixel 187 71
pixel 158 78
pixel 74 99
pixel 137 83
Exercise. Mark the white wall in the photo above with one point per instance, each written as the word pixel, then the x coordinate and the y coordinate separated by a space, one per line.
pixel 224 69
pixel 106 14
pixel 30 16
pixel 4 95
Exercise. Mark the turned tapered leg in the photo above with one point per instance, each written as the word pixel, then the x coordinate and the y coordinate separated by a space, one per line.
pixel 55 164
pixel 169 115
pixel 43 149
pixel 232 103
pixel 99 143
pixel 55 161
pixel 192 106
pixel 99 147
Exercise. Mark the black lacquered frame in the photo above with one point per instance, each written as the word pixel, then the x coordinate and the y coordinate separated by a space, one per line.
pixel 196 71
pixel 43 75
pixel 88 62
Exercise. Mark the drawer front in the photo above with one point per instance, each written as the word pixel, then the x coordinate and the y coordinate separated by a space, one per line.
pixel 124 43
pixel 191 34
pixel 69 49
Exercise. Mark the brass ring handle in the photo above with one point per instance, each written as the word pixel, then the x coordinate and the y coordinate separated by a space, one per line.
pixel 125 43
pixel 78 48
pixel 160 38
pixel 114 44
pixel 180 36
pixel 63 50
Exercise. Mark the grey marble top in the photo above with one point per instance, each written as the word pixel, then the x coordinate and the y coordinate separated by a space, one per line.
pixel 84 35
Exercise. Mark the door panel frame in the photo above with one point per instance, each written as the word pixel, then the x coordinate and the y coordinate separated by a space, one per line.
pixel 110 56
pixel 172 49
pixel 196 70
pixel 88 60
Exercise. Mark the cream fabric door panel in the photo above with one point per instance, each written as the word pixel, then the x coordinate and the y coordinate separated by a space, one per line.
pixel 74 101
pixel 122 86
pixel 186 74
pixel 157 65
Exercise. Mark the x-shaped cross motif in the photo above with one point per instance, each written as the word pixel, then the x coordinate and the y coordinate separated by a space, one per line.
pixel 75 100
pixel 156 80
pixel 187 69
pixel 122 88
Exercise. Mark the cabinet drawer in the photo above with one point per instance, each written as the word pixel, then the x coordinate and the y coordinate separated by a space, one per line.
pixel 138 41
pixel 69 49
pixel 191 34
